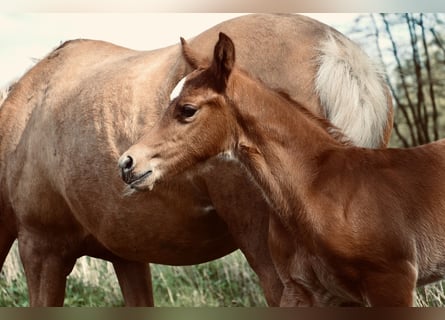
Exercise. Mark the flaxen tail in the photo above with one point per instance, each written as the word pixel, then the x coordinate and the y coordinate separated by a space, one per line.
pixel 353 92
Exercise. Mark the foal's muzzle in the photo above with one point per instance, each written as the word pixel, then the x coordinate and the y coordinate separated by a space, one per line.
pixel 128 174
pixel 126 164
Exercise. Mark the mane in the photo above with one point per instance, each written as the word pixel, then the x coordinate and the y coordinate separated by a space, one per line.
pixel 55 52
pixel 4 92
pixel 324 123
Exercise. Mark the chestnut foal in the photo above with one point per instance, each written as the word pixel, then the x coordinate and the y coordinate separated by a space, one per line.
pixel 350 225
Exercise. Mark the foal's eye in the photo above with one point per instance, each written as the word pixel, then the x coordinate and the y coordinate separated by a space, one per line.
pixel 187 111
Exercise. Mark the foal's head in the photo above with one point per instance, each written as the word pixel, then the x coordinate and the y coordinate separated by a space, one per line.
pixel 197 125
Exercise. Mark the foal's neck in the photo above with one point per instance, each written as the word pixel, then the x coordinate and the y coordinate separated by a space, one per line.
pixel 279 142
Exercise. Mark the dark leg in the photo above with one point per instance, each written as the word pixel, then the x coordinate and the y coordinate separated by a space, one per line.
pixel 271 283
pixel 46 269
pixel 295 296
pixel 135 282
pixel 8 234
pixel 6 241
pixel 392 289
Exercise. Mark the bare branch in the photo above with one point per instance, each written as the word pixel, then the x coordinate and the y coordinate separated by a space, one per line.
pixel 401 107
pixel 430 79
pixel 421 114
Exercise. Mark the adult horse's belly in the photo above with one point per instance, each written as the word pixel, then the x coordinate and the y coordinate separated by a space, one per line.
pixel 174 224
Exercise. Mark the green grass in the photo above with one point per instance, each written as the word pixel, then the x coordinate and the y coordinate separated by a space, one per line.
pixel 431 296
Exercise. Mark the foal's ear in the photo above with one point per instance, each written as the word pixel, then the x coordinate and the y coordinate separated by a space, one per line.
pixel 223 59
pixel 192 57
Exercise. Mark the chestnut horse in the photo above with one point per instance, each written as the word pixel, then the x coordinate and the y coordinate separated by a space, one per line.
pixel 67 120
pixel 350 225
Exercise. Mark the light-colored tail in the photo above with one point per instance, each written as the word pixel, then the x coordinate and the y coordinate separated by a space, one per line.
pixel 353 92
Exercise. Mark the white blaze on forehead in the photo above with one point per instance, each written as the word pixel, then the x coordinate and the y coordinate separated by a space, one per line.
pixel 177 90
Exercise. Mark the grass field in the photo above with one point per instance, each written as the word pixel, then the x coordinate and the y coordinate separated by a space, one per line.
pixel 224 282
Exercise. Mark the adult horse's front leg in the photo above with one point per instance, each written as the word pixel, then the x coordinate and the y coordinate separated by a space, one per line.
pixel 6 241
pixel 135 282
pixel 47 263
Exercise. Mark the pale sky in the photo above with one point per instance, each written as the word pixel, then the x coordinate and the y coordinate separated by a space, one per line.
pixel 28 36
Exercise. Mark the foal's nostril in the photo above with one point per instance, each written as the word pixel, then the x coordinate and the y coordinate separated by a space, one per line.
pixel 126 164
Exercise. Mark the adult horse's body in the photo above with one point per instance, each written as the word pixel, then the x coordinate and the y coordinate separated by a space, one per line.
pixel 66 121
pixel 350 225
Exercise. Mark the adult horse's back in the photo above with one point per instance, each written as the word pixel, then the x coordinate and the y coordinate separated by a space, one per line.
pixel 66 122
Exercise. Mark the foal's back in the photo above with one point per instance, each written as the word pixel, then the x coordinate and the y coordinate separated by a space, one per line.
pixel 394 197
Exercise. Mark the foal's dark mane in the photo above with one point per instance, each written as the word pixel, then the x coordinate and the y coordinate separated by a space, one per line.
pixel 322 122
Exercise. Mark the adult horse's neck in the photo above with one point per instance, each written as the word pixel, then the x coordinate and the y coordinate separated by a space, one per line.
pixel 279 141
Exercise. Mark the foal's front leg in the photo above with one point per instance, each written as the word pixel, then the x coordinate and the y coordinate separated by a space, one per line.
pixel 283 254
pixel 394 288
pixel 295 295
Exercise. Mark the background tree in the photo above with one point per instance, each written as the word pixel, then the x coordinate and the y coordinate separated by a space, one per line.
pixel 411 48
